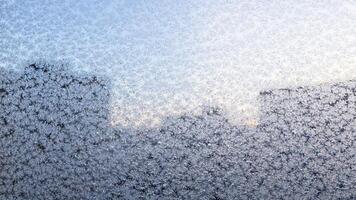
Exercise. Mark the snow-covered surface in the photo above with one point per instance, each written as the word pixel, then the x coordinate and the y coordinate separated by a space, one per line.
pixel 170 57
pixel 57 142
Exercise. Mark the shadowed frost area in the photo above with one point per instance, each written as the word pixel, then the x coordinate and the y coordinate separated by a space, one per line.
pixel 56 142
pixel 167 57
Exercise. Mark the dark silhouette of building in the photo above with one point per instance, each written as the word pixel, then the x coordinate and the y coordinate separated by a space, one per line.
pixel 309 134
pixel 56 142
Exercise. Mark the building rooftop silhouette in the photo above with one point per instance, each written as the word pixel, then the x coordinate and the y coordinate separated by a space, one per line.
pixel 56 142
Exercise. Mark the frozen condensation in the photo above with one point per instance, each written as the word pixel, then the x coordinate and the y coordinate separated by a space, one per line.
pixel 56 142
pixel 170 57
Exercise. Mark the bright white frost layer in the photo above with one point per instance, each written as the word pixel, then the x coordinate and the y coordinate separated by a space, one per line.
pixel 169 57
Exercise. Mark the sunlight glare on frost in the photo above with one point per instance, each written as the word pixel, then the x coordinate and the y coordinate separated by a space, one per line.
pixel 167 58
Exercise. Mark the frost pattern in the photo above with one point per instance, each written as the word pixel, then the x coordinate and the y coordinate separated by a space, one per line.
pixel 56 142
pixel 168 58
